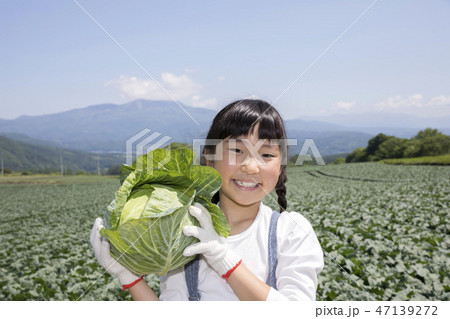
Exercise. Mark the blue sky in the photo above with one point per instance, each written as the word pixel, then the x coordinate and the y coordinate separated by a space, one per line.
pixel 209 53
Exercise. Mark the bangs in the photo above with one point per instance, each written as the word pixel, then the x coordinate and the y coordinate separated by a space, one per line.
pixel 241 119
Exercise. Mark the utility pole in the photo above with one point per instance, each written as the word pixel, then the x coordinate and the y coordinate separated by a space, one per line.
pixel 3 170
pixel 62 165
pixel 98 165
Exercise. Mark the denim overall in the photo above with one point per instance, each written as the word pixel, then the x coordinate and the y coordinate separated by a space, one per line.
pixel 191 268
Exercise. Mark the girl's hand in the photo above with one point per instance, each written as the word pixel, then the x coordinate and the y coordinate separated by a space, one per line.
pixel 102 253
pixel 211 245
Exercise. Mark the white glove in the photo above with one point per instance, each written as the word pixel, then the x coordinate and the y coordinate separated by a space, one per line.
pixel 211 245
pixel 104 258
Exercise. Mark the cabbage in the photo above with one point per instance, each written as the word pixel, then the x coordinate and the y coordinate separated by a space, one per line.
pixel 144 223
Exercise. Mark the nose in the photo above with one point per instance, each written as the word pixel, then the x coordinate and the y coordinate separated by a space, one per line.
pixel 250 165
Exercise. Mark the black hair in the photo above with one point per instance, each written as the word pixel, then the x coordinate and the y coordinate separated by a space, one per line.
pixel 239 118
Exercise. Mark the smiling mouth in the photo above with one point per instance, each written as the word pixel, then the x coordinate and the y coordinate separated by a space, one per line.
pixel 246 184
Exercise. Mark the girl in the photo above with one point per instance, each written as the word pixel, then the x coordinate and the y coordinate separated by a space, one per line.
pixel 265 257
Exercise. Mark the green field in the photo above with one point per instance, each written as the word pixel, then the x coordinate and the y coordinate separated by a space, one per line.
pixel 425 160
pixel 384 230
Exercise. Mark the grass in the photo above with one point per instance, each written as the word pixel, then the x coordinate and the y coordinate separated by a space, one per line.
pixel 426 160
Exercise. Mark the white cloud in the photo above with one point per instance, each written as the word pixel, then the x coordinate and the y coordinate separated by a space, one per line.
pixel 209 103
pixel 190 70
pixel 252 97
pixel 399 102
pixel 221 78
pixel 413 103
pixel 345 106
pixel 439 100
pixel 177 87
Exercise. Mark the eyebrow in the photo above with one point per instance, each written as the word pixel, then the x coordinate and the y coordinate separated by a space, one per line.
pixel 239 140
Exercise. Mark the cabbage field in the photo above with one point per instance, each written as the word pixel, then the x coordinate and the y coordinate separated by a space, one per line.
pixel 384 230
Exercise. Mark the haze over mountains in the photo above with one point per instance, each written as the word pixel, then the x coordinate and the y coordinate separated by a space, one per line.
pixel 106 127
pixel 398 124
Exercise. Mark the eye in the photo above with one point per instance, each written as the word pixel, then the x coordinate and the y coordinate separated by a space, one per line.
pixel 268 155
pixel 236 150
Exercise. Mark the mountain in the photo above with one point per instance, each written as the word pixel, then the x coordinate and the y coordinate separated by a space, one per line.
pixel 312 126
pixel 19 156
pixel 107 127
pixel 329 142
pixel 397 124
pixel 328 137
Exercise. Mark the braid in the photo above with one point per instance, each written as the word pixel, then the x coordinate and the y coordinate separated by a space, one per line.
pixel 281 189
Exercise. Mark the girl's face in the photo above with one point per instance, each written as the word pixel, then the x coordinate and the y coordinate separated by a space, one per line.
pixel 249 168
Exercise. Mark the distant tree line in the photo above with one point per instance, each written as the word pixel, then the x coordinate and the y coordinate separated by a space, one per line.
pixel 428 142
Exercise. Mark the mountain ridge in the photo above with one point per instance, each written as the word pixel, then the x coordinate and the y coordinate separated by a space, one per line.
pixel 384 120
pixel 106 127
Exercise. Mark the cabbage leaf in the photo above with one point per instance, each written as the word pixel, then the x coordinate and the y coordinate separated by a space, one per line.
pixel 144 223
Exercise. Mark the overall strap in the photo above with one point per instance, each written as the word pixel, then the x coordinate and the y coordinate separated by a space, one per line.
pixel 273 251
pixel 191 273
pixel 191 269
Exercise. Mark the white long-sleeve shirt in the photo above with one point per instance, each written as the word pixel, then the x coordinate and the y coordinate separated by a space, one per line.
pixel 300 260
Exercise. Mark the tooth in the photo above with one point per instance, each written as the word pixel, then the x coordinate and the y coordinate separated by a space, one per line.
pixel 246 184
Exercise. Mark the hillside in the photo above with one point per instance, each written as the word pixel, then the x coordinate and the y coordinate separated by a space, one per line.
pixel 19 156
pixel 329 142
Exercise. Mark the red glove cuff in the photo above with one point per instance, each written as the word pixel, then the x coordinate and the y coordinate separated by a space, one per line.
pixel 125 287
pixel 227 275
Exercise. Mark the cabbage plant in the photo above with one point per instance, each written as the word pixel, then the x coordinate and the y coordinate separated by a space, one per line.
pixel 144 223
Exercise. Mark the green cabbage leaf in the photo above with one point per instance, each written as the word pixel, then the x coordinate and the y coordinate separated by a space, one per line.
pixel 144 223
